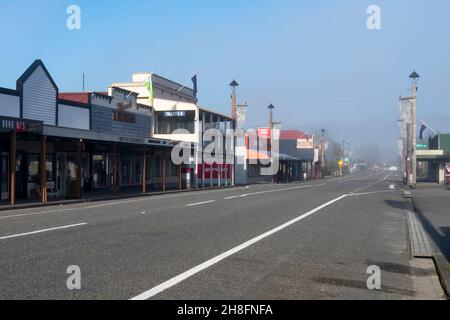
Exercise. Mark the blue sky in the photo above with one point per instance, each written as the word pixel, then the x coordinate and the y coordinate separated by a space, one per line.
pixel 316 61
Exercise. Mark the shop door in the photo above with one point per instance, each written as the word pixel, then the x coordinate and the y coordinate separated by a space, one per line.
pixel 21 176
pixel 4 176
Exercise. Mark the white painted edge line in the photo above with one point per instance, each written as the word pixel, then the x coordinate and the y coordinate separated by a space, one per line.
pixel 200 203
pixel 189 273
pixel 41 231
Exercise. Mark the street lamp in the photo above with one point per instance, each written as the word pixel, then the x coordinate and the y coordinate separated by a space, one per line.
pixel 271 107
pixel 415 78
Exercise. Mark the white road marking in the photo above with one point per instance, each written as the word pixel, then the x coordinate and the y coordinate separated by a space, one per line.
pixel 149 198
pixel 200 203
pixel 233 197
pixel 185 275
pixel 273 190
pixel 371 185
pixel 367 193
pixel 370 175
pixel 41 231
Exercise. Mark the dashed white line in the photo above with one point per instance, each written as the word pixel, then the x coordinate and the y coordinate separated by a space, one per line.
pixel 200 203
pixel 149 198
pixel 367 193
pixel 41 231
pixel 273 190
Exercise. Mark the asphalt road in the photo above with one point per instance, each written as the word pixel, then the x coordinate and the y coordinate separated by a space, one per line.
pixel 310 240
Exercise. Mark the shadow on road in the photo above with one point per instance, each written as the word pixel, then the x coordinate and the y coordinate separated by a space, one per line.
pixel 396 204
pixel 357 284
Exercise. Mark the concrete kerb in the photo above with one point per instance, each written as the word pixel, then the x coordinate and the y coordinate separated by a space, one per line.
pixel 105 198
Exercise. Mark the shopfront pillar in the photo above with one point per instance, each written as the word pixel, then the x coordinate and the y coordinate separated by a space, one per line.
pixel 164 173
pixel 12 169
pixel 42 171
pixel 114 169
pixel 78 169
pixel 144 171
pixel 180 179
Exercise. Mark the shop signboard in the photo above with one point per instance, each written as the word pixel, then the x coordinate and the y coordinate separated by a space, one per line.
pixel 264 133
pixel 224 169
pixel 305 143
pixel 175 114
pixel 447 173
pixel 19 125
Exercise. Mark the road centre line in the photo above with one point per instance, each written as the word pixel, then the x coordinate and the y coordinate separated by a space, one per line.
pixel 274 190
pixel 191 272
pixel 370 175
pixel 149 198
pixel 200 203
pixel 370 185
pixel 367 193
pixel 42 231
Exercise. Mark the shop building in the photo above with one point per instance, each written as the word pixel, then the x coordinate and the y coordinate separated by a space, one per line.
pixel 434 162
pixel 68 144
pixel 174 108
pixel 295 153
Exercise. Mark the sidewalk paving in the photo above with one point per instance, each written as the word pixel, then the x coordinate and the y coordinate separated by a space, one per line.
pixel 432 204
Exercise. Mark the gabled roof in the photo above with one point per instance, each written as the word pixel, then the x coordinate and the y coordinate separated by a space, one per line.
pixel 36 64
pixel 293 135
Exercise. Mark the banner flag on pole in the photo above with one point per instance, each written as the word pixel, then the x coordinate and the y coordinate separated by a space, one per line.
pixel 194 81
pixel 149 86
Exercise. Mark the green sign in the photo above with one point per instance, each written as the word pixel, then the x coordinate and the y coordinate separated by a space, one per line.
pixel 422 146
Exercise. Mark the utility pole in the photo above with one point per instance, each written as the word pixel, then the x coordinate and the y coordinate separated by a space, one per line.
pixel 343 156
pixel 322 156
pixel 233 86
pixel 271 107
pixel 414 76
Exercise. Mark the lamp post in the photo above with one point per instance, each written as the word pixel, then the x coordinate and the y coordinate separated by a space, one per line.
pixel 233 86
pixel 271 107
pixel 415 78
pixel 322 156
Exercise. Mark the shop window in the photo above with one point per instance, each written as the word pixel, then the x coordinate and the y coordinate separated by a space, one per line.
pixel 158 166
pixel 173 169
pixel 168 122
pixel 138 170
pixel 4 186
pixel 149 171
pixel 33 168
pixel 49 167
pixel 99 170
pixel 125 170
